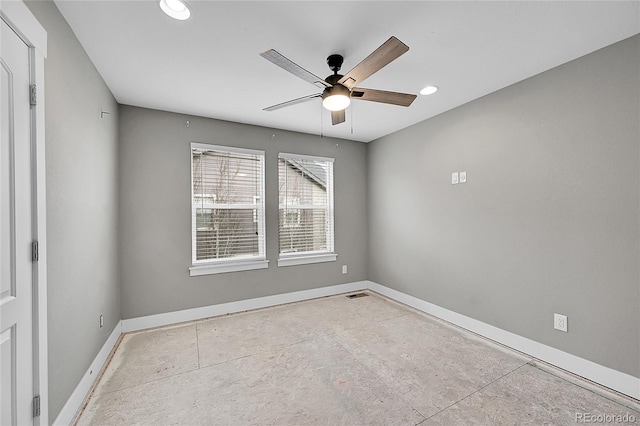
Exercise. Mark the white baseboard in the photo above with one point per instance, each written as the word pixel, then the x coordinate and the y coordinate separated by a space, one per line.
pixel 74 403
pixel 141 323
pixel 613 379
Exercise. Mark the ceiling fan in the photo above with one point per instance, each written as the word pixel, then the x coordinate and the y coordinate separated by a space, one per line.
pixel 340 89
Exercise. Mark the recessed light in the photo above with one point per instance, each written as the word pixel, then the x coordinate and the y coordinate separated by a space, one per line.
pixel 177 9
pixel 429 90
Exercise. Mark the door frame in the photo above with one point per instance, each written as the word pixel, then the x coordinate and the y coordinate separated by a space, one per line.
pixel 21 20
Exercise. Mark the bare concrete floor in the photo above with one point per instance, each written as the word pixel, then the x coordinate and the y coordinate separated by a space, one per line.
pixel 334 360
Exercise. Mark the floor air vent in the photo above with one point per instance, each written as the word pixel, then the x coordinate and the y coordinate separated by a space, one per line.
pixel 353 296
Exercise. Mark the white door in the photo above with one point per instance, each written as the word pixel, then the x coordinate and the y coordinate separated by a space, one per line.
pixel 16 269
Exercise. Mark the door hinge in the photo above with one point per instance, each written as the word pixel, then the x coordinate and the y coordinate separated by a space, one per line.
pixel 33 98
pixel 36 406
pixel 34 251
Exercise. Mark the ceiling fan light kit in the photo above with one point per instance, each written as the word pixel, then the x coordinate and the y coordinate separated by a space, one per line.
pixel 338 89
pixel 336 98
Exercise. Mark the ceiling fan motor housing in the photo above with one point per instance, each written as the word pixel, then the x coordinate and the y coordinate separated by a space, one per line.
pixel 333 79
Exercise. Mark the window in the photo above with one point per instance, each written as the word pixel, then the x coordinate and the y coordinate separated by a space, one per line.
pixel 306 209
pixel 227 209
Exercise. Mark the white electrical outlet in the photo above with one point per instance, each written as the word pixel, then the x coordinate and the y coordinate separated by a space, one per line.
pixel 463 177
pixel 344 269
pixel 101 321
pixel 454 178
pixel 560 322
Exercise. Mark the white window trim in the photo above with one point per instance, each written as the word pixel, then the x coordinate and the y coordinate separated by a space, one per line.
pixel 331 229
pixel 210 147
pixel 305 157
pixel 221 266
pixel 293 259
pixel 228 266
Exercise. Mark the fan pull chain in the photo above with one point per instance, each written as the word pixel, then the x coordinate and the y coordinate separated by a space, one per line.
pixel 321 122
pixel 351 113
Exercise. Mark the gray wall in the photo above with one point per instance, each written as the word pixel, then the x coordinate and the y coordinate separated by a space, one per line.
pixel 155 211
pixel 82 207
pixel 548 221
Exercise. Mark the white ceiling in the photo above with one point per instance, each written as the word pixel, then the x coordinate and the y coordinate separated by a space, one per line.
pixel 210 66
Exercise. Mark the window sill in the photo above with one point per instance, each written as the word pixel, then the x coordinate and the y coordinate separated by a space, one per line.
pixel 305 259
pixel 223 267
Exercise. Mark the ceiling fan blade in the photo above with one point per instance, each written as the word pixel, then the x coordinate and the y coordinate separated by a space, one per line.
pixel 293 68
pixel 383 55
pixel 373 95
pixel 337 117
pixel 292 102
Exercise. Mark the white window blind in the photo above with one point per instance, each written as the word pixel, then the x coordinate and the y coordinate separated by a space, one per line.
pixel 306 205
pixel 227 214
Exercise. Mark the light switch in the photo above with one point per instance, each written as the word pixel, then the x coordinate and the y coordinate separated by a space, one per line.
pixel 454 178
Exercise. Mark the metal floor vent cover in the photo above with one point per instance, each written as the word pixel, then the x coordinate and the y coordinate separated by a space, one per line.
pixel 353 296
